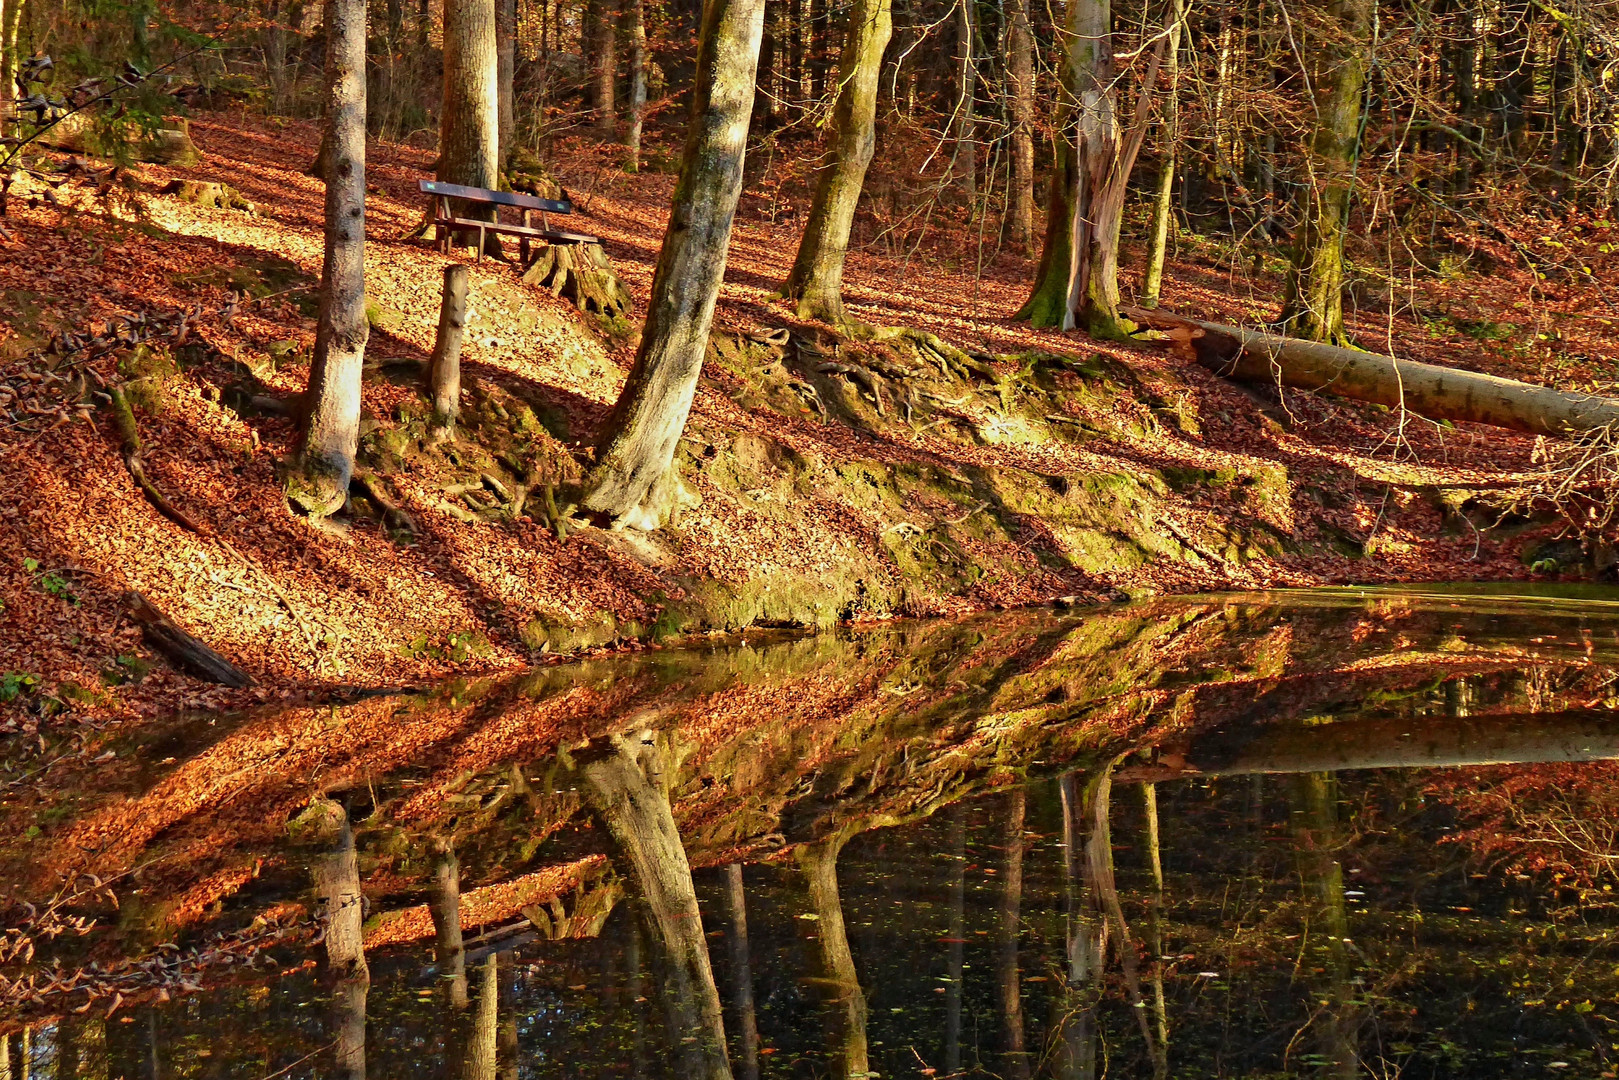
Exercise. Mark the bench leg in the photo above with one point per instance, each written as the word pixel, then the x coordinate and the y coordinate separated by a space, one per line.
pixel 480 243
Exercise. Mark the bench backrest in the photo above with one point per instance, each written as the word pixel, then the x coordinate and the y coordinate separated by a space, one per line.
pixel 497 198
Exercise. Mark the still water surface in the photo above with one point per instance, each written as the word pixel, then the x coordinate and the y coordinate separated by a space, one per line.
pixel 1328 833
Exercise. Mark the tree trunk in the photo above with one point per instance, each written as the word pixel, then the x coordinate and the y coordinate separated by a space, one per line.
pixel 444 904
pixel 736 902
pixel 1047 304
pixel 964 155
pixel 337 880
pixel 1163 205
pixel 1020 90
pixel 1007 977
pixel 505 73
pixel 1313 307
pixel 604 63
pixel 627 781
pixel 635 16
pixel 635 482
pixel 469 119
pixel 319 480
pixel 481 1053
pixel 816 279
pixel 1093 273
pixel 444 368
pixel 819 862
pixel 1439 393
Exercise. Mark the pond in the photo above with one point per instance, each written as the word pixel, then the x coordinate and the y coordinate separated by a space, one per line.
pixel 1335 832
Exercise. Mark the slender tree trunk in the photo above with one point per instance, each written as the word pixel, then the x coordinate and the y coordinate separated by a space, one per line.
pixel 964 155
pixel 505 74
pixel 337 879
pixel 1313 307
pixel 444 368
pixel 1007 976
pixel 469 119
pixel 798 79
pixel 604 60
pixel 736 901
pixel 1149 806
pixel 481 1053
pixel 319 481
pixel 816 279
pixel 635 482
pixel 635 16
pixel 1163 205
pixel 1020 90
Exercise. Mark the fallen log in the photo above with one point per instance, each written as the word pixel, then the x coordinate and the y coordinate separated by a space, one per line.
pixel 180 647
pixel 1439 393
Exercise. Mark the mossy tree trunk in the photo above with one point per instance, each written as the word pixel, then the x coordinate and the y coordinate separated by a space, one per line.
pixel 319 478
pixel 1047 304
pixel 627 781
pixel 1313 306
pixel 1152 284
pixel 10 20
pixel 634 481
pixel 469 119
pixel 816 279
pixel 1020 106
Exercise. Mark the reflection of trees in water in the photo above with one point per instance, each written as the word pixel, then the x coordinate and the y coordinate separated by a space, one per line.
pixel 1007 975
pixel 736 909
pixel 1335 1021
pixel 337 881
pixel 819 862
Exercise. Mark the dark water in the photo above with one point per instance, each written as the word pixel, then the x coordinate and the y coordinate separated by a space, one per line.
pixel 1296 834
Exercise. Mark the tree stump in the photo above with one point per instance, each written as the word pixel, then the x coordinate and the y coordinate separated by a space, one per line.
pixel 580 274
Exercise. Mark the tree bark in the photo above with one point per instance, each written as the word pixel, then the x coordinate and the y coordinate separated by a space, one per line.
pixel 604 67
pixel 444 368
pixel 635 16
pixel 1313 304
pixel 627 780
pixel 1439 393
pixel 469 119
pixel 635 482
pixel 816 279
pixel 1020 92
pixel 505 74
pixel 319 479
pixel 1152 284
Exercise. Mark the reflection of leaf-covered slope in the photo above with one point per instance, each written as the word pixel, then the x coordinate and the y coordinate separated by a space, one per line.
pixel 779 742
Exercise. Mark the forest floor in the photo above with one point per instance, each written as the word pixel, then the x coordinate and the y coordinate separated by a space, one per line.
pixel 1173 480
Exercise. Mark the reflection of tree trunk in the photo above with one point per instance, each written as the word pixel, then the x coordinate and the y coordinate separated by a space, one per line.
pixel 742 971
pixel 632 960
pixel 481 1054
pixel 337 880
pixel 627 783
pixel 1006 964
pixel 1149 801
pixel 1086 940
pixel 958 927
pixel 1315 834
pixel 445 905
pixel 506 1040
pixel 820 864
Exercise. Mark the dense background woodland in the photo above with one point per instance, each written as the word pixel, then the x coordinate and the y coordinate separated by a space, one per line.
pixel 976 342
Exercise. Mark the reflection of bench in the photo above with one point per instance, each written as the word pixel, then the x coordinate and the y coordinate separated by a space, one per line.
pixel 446 221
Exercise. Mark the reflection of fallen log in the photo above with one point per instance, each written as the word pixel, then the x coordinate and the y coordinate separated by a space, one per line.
pixel 1440 393
pixel 1503 739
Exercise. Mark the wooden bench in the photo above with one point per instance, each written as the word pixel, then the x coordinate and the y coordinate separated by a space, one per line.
pixel 446 222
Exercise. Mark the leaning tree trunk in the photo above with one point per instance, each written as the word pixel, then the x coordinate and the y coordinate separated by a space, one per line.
pixel 635 481
pixel 1313 307
pixel 1020 92
pixel 469 122
pixel 1152 283
pixel 635 16
pixel 816 280
pixel 1440 393
pixel 319 479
